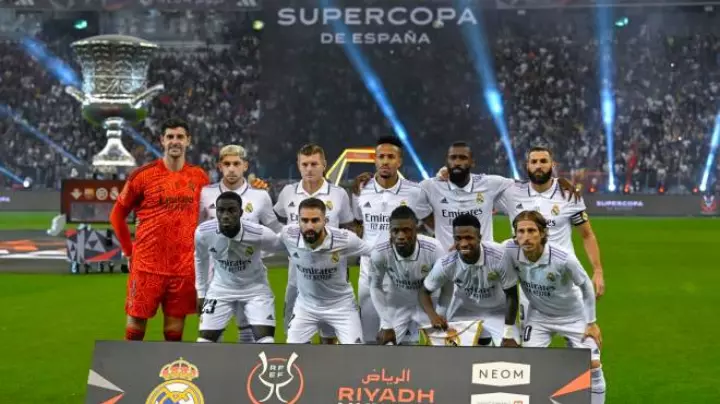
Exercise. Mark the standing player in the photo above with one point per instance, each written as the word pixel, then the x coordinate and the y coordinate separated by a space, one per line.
pixel 311 164
pixel 372 206
pixel 319 254
pixel 456 191
pixel 543 194
pixel 239 283
pixel 165 196
pixel 257 206
pixel 406 259
pixel 479 313
pixel 549 275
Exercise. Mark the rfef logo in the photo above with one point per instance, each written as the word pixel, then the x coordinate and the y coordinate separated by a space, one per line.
pixel 275 380
pixel 501 374
pixel 499 398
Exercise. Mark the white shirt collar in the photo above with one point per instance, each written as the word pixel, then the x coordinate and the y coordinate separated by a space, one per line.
pixel 549 193
pixel 244 187
pixel 543 260
pixel 467 188
pixel 323 190
pixel 395 189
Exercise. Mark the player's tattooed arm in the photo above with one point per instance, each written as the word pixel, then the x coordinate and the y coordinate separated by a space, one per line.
pixel 569 190
pixel 592 248
pixel 360 182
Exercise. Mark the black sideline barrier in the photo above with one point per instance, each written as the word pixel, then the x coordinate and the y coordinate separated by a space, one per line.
pixel 164 373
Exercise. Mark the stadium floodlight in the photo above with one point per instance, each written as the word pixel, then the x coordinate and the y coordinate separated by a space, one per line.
pixel 612 187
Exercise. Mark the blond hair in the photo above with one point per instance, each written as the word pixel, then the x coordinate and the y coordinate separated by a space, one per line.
pixel 233 150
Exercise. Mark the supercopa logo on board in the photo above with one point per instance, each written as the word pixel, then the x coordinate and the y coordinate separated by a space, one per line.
pixel 376 25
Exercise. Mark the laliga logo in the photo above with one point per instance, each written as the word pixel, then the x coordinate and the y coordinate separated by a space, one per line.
pixel 271 380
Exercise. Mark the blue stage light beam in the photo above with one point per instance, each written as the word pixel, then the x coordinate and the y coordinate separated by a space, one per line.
pixel 605 72
pixel 377 90
pixel 9 113
pixel 714 143
pixel 483 64
pixel 56 66
pixel 140 139
pixel 4 171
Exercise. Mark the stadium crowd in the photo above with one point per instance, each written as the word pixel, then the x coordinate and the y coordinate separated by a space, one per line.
pixel 666 83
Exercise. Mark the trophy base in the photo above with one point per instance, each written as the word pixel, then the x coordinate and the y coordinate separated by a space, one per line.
pixel 114 154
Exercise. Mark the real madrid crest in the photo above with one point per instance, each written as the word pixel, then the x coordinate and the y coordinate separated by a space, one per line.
pixel 425 269
pixel 493 276
pixel 249 207
pixel 555 210
pixel 329 205
pixel 479 198
pixel 249 250
pixel 178 386
pixel 335 257
pixel 403 203
pixel 551 276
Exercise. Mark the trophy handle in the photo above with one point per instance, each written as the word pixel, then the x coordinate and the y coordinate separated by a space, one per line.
pixel 147 94
pixel 75 93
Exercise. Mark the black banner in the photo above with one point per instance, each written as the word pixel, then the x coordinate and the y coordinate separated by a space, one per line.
pixel 535 4
pixel 114 5
pixel 652 205
pixel 158 372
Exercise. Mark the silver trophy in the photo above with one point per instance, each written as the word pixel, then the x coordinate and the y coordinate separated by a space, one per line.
pixel 114 93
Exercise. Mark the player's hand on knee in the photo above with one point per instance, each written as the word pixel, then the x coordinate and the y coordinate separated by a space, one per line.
pixel 386 337
pixel 567 187
pixel 509 343
pixel 439 322
pixel 443 174
pixel 200 303
pixel 360 182
pixel 593 331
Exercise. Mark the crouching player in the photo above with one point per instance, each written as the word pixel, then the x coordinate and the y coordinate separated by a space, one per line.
pixel 406 259
pixel 239 285
pixel 550 278
pixel 472 280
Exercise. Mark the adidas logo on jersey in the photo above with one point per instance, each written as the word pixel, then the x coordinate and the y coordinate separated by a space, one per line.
pixel 291 205
pixel 212 206
pixel 518 206
pixel 443 200
pixel 212 249
pixel 295 255
pixel 367 205
pixel 270 317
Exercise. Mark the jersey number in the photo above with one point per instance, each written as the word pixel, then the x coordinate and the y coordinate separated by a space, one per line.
pixel 209 306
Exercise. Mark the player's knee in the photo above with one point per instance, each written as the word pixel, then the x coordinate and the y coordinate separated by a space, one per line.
pixel 136 323
pixel 210 335
pixel 595 364
pixel 266 340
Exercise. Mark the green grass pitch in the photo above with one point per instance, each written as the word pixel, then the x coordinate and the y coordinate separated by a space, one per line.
pixel 658 317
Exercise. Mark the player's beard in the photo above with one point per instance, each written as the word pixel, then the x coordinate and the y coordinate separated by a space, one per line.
pixel 539 177
pixel 471 256
pixel 230 230
pixel 311 236
pixel 459 176
pixel 405 249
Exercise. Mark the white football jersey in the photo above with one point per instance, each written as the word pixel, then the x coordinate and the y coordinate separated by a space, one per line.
pixel 406 273
pixel 551 283
pixel 477 198
pixel 375 204
pixel 336 201
pixel 239 272
pixel 256 203
pixel 479 288
pixel 561 214
pixel 322 274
